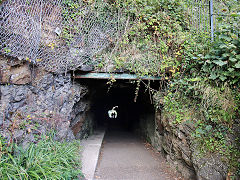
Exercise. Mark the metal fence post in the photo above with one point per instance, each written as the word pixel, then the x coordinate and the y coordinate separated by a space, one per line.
pixel 211 19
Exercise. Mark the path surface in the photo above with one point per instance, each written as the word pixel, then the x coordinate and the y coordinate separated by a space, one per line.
pixel 125 157
pixel 90 153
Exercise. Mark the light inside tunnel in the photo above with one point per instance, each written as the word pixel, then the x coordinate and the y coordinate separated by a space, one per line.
pixel 131 116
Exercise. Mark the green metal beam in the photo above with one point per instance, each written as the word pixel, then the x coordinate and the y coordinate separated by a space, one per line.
pixel 115 76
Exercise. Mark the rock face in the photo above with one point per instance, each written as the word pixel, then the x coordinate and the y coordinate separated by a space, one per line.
pixel 14 72
pixel 33 102
pixel 182 151
pixel 82 121
pixel 210 167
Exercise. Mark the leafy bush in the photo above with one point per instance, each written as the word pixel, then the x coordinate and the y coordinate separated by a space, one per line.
pixel 155 33
pixel 222 63
pixel 175 106
pixel 47 159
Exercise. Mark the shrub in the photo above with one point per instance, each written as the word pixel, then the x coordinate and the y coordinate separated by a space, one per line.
pixel 47 159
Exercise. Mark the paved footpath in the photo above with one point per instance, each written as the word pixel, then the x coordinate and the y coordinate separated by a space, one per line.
pixel 125 157
pixel 90 153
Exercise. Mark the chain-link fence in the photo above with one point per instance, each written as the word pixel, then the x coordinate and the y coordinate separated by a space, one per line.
pixel 59 35
pixel 209 16
pixel 62 35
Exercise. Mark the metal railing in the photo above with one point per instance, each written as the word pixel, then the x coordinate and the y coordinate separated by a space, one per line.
pixel 209 15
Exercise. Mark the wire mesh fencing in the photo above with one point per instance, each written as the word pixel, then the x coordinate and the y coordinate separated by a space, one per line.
pixel 60 35
pixel 210 16
pixel 63 35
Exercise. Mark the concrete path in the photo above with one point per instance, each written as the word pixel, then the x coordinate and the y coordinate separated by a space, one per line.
pixel 125 157
pixel 90 153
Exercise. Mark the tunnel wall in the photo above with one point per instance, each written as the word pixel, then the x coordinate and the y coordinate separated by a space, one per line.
pixel 147 127
pixel 177 144
pixel 36 102
pixel 81 118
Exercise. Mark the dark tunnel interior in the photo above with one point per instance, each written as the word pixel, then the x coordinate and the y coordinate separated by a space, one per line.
pixel 121 94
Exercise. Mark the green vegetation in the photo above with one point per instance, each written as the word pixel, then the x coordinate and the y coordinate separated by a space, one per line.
pixel 201 78
pixel 209 88
pixel 155 40
pixel 222 63
pixel 47 159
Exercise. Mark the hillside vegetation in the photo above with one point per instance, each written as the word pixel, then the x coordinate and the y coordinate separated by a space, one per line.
pixel 199 75
pixel 158 38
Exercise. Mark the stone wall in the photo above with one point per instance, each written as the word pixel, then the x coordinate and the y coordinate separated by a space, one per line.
pixel 33 101
pixel 147 126
pixel 176 143
pixel 81 119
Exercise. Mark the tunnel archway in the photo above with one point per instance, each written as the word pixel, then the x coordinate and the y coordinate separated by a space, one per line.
pixel 137 117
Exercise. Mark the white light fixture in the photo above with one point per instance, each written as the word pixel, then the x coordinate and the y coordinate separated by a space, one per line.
pixel 112 113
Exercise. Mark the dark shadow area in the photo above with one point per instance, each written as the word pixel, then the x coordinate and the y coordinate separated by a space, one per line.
pixel 121 94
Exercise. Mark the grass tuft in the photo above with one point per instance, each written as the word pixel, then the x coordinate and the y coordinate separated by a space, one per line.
pixel 48 159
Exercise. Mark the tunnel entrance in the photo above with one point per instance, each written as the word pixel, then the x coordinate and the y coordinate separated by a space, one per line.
pixel 125 136
pixel 137 117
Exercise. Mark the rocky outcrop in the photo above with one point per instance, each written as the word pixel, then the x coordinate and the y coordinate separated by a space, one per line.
pixel 14 71
pixel 176 141
pixel 209 167
pixel 33 101
pixel 82 121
